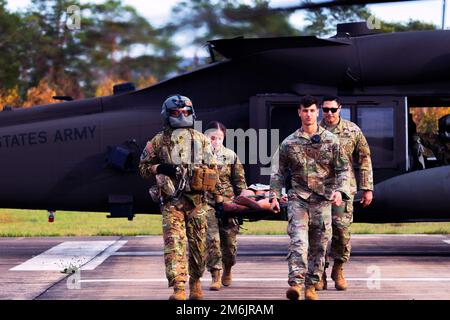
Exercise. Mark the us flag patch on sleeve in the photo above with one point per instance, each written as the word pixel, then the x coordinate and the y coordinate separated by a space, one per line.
pixel 147 151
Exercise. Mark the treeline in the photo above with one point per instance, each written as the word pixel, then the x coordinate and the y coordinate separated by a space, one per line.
pixel 43 55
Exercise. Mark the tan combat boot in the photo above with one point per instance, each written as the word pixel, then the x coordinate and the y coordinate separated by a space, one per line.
pixel 195 289
pixel 294 292
pixel 338 276
pixel 216 283
pixel 310 293
pixel 179 292
pixel 226 277
pixel 322 284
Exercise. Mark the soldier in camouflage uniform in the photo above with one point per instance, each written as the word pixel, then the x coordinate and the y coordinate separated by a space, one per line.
pixel 439 143
pixel 221 236
pixel 354 146
pixel 171 157
pixel 439 147
pixel 310 162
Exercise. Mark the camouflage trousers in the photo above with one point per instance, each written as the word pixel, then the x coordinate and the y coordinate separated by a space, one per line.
pixel 342 219
pixel 309 229
pixel 221 243
pixel 184 224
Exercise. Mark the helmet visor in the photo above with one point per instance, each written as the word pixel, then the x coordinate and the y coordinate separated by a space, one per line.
pixel 177 112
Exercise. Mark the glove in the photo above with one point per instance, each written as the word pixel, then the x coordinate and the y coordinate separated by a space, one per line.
pixel 167 169
pixel 219 210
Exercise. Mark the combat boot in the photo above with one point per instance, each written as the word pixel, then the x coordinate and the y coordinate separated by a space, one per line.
pixel 226 277
pixel 216 283
pixel 322 284
pixel 195 289
pixel 338 276
pixel 310 293
pixel 294 292
pixel 179 292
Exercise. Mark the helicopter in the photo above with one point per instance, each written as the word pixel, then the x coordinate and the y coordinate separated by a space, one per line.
pixel 83 155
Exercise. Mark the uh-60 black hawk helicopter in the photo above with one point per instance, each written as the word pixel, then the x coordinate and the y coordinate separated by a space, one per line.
pixel 83 155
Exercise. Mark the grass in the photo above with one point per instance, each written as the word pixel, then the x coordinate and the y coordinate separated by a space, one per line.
pixel 279 227
pixel 402 228
pixel 28 223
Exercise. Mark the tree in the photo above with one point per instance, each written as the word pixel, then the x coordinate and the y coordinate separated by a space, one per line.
pixel 10 97
pixel 323 21
pixel 53 50
pixel 113 40
pixel 105 86
pixel 42 94
pixel 114 33
pixel 411 25
pixel 144 82
pixel 206 20
pixel 10 41
pixel 426 119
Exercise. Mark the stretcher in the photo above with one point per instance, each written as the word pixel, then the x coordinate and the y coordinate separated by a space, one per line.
pixel 249 209
pixel 254 212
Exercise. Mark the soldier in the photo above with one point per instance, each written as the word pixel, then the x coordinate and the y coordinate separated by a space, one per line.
pixel 221 235
pixel 439 143
pixel 311 163
pixel 415 148
pixel 353 145
pixel 181 159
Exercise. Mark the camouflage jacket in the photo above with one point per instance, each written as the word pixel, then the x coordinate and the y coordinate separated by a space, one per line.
pixel 354 145
pixel 310 167
pixel 439 147
pixel 173 146
pixel 231 172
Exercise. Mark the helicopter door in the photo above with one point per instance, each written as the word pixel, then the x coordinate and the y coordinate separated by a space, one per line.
pixel 382 120
pixel 276 116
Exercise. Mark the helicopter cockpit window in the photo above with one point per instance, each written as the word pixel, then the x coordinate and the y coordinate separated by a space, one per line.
pixel 377 124
pixel 431 138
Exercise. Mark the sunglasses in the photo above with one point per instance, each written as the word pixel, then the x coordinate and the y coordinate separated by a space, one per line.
pixel 178 112
pixel 333 110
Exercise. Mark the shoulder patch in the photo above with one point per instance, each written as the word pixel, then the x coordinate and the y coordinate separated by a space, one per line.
pixel 147 151
pixel 330 137
pixel 352 126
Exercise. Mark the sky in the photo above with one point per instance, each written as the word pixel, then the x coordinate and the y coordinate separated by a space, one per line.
pixel 158 12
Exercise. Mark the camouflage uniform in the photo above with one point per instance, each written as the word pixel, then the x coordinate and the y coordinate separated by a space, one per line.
pixel 314 171
pixel 439 147
pixel 353 145
pixel 186 216
pixel 221 238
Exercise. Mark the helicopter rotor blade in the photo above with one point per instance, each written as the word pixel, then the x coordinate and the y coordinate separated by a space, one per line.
pixel 332 3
